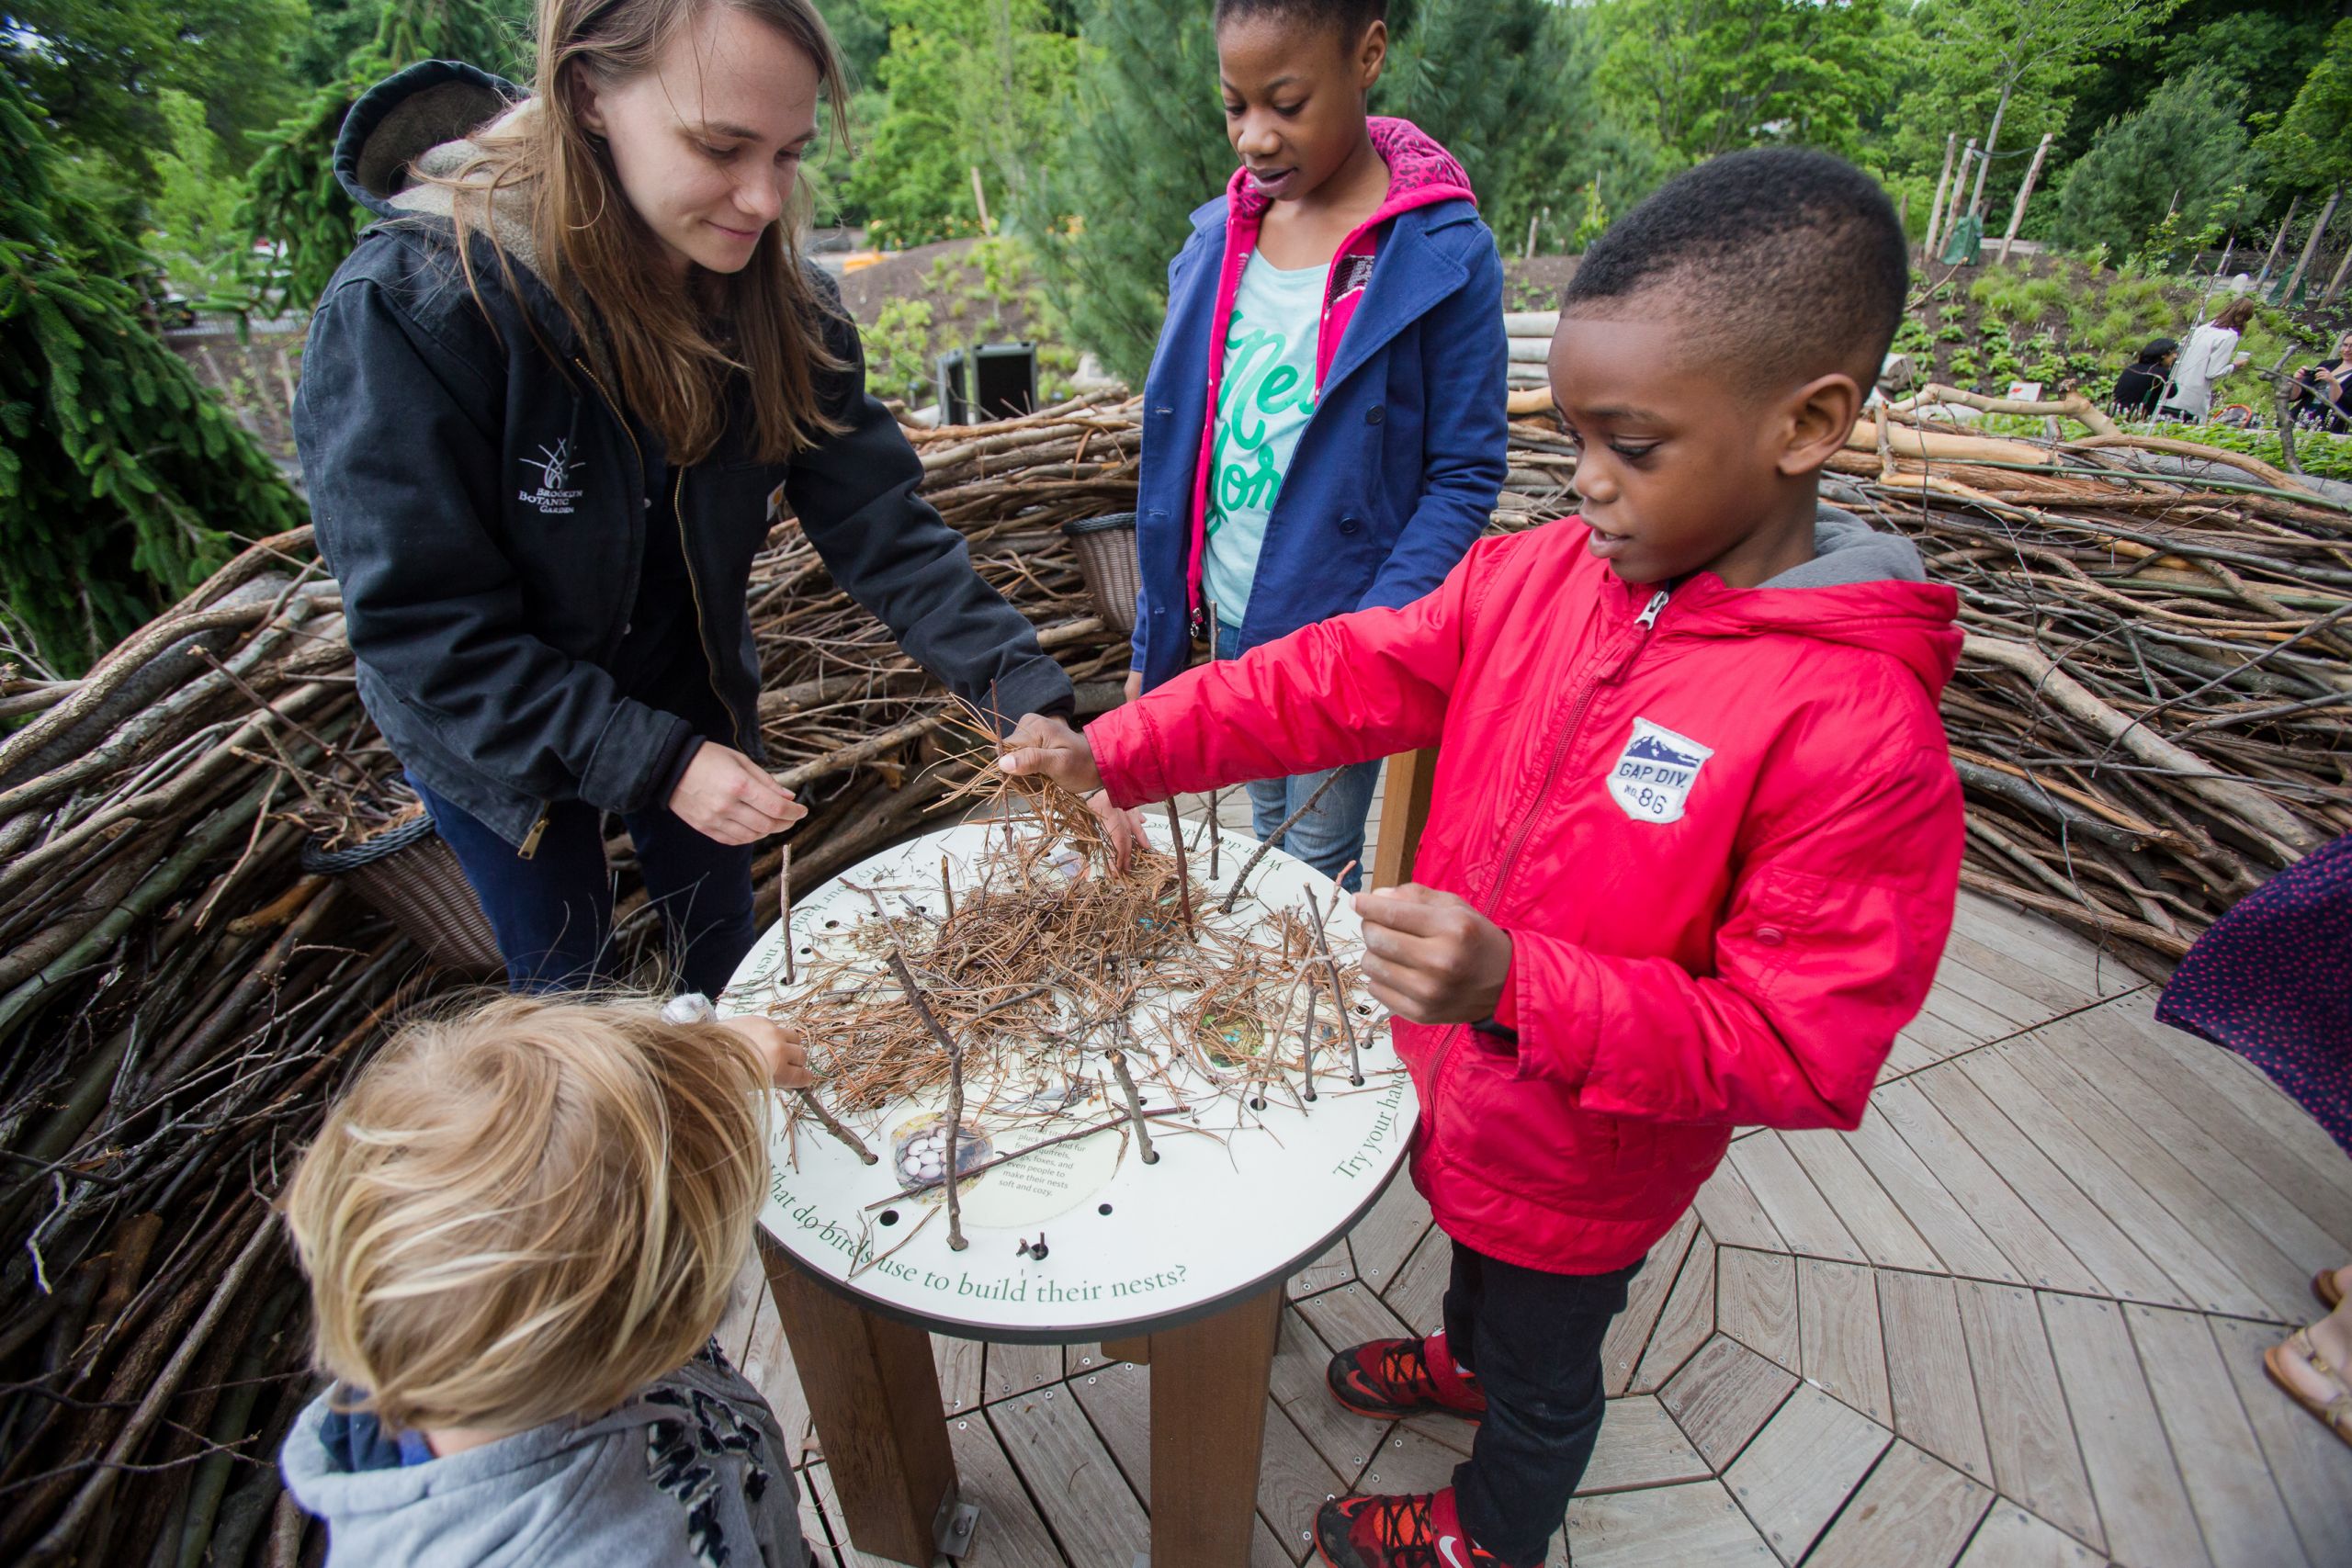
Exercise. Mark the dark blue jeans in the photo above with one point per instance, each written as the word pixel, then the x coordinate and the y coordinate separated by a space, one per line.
pixel 553 913
pixel 1329 838
pixel 1534 1340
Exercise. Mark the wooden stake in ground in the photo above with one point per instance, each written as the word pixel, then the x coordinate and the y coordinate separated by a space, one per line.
pixel 2310 246
pixel 955 1093
pixel 1959 185
pixel 1943 185
pixel 2017 213
pixel 2279 240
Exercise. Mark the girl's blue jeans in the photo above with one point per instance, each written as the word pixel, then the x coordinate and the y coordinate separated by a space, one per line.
pixel 1331 835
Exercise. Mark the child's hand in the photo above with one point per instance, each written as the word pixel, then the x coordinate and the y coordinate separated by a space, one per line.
pixel 780 1046
pixel 1429 957
pixel 1051 748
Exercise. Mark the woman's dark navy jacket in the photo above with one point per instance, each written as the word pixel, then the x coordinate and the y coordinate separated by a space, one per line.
pixel 484 506
pixel 1397 471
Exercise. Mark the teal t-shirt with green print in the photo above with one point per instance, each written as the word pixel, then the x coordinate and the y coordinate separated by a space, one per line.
pixel 1264 398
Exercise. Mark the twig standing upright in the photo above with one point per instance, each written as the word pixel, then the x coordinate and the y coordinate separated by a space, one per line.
pixel 955 1093
pixel 1339 997
pixel 1183 865
pixel 1134 1106
pixel 1289 822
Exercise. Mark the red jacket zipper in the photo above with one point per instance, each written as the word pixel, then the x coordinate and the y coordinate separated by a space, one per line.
pixel 1642 625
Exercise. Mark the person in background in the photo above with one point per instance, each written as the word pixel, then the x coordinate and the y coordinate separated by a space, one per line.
pixel 1325 420
pixel 2323 393
pixel 1677 735
pixel 2210 354
pixel 521 1225
pixel 2142 384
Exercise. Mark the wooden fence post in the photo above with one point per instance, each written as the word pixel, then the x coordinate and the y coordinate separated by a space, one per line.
pixel 2017 213
pixel 1943 184
pixel 2310 246
pixel 2278 240
pixel 1958 188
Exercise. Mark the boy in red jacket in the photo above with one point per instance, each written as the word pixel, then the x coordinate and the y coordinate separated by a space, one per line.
pixel 1694 838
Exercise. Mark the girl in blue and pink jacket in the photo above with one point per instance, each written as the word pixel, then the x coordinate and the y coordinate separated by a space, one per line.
pixel 1325 420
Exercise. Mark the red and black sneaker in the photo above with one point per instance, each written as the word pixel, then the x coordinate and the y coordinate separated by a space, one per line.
pixel 1419 1531
pixel 1388 1378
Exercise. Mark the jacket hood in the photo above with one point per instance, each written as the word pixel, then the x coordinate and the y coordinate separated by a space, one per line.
pixel 460 1508
pixel 1422 172
pixel 419 121
pixel 1864 589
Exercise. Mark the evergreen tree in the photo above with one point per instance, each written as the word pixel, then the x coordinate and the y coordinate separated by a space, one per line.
pixel 2185 149
pixel 296 203
pixel 1706 76
pixel 2312 143
pixel 1144 145
pixel 122 480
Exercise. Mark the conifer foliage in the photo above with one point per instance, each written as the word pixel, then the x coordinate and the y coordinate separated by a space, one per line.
pixel 122 478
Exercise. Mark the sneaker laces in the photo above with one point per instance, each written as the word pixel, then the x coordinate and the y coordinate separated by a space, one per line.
pixel 1400 1525
pixel 1410 1357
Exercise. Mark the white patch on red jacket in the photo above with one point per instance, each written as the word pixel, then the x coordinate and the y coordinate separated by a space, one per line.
pixel 1652 777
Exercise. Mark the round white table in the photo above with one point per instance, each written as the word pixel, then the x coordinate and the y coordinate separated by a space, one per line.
pixel 1180 1262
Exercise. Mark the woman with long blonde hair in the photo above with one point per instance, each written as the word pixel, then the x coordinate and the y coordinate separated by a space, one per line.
pixel 544 405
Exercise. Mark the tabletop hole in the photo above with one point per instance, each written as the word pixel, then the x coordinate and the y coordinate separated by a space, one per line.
pixel 1102 1208
pixel 1257 1103
pixel 833 925
pixel 889 1216
pixel 1365 1007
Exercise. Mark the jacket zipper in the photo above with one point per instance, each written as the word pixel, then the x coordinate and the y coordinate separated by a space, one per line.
pixel 702 641
pixel 1642 625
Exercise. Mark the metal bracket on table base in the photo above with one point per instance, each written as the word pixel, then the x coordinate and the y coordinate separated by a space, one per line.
pixel 954 1524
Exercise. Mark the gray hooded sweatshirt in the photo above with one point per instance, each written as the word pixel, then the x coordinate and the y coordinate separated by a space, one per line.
pixel 1847 550
pixel 693 1473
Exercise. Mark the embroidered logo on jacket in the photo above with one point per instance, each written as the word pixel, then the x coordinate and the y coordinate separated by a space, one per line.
pixel 1652 777
pixel 554 468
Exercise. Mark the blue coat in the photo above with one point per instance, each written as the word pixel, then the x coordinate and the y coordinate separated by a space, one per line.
pixel 1397 471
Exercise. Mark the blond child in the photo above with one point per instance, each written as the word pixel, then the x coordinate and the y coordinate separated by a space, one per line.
pixel 520 1227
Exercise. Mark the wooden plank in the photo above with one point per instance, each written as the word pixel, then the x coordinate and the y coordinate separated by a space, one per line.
pixel 1941 1219
pixel 1905 1057
pixel 958 1362
pixel 1723 1398
pixel 2012 1537
pixel 1208 1424
pixel 2242 1247
pixel 2155 1229
pixel 1685 1324
pixel 1335 1266
pixel 814 1489
pixel 1842 1347
pixel 1011 1534
pixel 2218 1141
pixel 1955 976
pixel 1388 1231
pixel 2237 1505
pixel 1095 1517
pixel 1732 1214
pixel 1927 1370
pixel 1621 1349
pixel 1696 1525
pixel 2035 1459
pixel 744 1297
pixel 1937 1037
pixel 1417 1295
pixel 1266 1551
pixel 2141 1502
pixel 2236 1080
pixel 767 1365
pixel 2120 1267
pixel 1996 1209
pixel 1351 1315
pixel 1795 1476
pixel 1118 1400
pixel 1293 1482
pixel 1797 1208
pixel 1010 1369
pixel 1981 1025
pixel 1914 1509
pixel 2056 996
pixel 1408 1461
pixel 1345 1442
pixel 2310 1466
pixel 1870 1216
pixel 1755 1302
pixel 1639 1445
pixel 2042 944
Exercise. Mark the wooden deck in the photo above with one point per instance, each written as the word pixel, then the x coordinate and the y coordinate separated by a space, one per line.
pixel 2015 1319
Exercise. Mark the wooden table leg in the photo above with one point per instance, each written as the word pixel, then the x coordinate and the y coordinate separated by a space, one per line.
pixel 1404 812
pixel 873 1391
pixel 1208 1430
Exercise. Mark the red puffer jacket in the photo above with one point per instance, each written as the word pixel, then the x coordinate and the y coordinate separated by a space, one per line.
pixel 1721 827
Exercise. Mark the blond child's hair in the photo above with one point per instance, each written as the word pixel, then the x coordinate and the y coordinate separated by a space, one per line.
pixel 529 1211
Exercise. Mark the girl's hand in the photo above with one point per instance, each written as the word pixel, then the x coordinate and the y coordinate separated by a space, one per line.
pixel 1125 829
pixel 782 1047
pixel 1429 957
pixel 1050 747
pixel 724 796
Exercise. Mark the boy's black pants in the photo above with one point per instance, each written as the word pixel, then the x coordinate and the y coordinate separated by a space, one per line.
pixel 1534 1340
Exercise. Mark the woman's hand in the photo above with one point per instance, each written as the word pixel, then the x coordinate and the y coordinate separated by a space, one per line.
pixel 724 796
pixel 1051 748
pixel 1134 684
pixel 782 1047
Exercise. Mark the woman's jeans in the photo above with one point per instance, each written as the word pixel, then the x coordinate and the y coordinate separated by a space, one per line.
pixel 553 913
pixel 1329 838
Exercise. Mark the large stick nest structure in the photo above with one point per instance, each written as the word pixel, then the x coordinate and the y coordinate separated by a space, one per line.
pixel 2149 718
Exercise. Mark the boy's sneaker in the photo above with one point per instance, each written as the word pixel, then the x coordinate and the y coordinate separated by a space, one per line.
pixel 1388 1378
pixel 1417 1531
